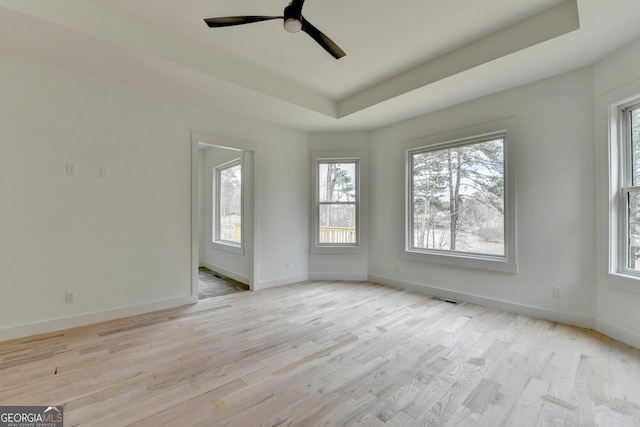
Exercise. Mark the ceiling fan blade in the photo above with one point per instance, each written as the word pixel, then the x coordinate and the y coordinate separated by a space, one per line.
pixel 322 39
pixel 237 20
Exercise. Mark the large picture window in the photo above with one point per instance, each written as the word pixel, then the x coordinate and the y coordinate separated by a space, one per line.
pixel 461 202
pixel 457 198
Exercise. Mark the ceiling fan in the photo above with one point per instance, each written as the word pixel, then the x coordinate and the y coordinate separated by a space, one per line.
pixel 293 22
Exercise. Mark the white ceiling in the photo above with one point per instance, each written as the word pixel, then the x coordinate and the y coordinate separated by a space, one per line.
pixel 404 58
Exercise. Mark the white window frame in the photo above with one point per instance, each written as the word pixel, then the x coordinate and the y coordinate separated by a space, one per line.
pixel 359 158
pixel 227 245
pixel 608 184
pixel 624 186
pixel 504 129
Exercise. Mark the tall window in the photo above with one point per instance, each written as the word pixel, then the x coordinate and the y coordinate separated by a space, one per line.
pixel 228 203
pixel 630 191
pixel 456 203
pixel 337 202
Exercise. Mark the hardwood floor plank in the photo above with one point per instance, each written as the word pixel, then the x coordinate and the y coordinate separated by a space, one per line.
pixel 401 419
pixel 497 412
pixel 326 354
pixel 315 356
pixel 527 409
pixel 482 396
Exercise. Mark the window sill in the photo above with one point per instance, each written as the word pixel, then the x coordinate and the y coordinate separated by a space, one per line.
pixel 337 250
pixel 228 247
pixel 461 260
pixel 623 282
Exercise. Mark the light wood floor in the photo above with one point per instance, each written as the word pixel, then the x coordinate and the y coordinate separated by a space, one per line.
pixel 330 354
pixel 213 284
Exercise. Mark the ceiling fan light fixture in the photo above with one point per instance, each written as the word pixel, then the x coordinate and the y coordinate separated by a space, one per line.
pixel 292 25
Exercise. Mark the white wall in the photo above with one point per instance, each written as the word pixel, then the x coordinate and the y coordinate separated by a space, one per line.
pixel 615 79
pixel 343 266
pixel 555 200
pixel 123 242
pixel 282 193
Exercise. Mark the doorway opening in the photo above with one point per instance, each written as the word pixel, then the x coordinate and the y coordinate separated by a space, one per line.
pixel 223 216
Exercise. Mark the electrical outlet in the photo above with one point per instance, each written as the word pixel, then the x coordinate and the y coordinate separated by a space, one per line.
pixel 287 265
pixel 70 296
pixel 558 292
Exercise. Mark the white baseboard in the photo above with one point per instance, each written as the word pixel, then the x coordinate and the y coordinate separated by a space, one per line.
pixel 281 281
pixel 610 329
pixel 537 312
pixel 619 333
pixel 64 323
pixel 355 277
pixel 229 273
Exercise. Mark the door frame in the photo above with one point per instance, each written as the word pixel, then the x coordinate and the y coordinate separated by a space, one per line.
pixel 251 230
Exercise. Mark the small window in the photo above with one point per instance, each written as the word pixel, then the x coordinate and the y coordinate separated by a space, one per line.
pixel 337 202
pixel 228 203
pixel 461 203
pixel 630 189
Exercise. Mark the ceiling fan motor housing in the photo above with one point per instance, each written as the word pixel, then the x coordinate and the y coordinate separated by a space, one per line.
pixel 293 16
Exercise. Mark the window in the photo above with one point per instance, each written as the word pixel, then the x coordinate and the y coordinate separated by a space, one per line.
pixel 630 189
pixel 461 202
pixel 336 202
pixel 228 203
